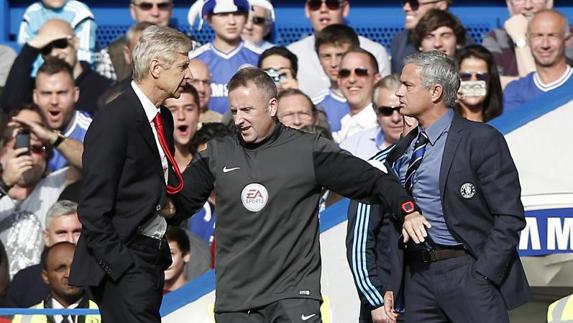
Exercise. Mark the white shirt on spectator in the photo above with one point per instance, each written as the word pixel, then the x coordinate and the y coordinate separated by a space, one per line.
pixel 351 124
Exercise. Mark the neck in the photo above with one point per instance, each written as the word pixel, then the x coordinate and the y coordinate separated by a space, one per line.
pixel 154 94
pixel 355 109
pixel 552 73
pixel 226 46
pixel 334 88
pixel 432 115
pixel 182 156
pixel 173 284
pixel 20 193
pixel 473 113
pixel 78 69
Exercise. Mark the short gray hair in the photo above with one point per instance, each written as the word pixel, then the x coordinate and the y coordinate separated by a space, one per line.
pixel 437 68
pixel 159 43
pixel 63 207
pixel 389 82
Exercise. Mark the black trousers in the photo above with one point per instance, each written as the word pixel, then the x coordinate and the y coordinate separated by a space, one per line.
pixel 288 310
pixel 450 290
pixel 136 296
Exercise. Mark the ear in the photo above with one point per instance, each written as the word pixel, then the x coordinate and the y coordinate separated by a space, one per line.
pixel 377 77
pixel 45 237
pixel 306 11
pixel 155 68
pixel 45 277
pixel 35 96
pixel 127 54
pixel 346 9
pixel 187 257
pixel 442 5
pixel 208 18
pixel 273 106
pixel 76 94
pixel 437 93
pixel 75 42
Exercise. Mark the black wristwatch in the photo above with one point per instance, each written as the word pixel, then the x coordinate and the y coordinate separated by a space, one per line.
pixel 59 140
pixel 4 188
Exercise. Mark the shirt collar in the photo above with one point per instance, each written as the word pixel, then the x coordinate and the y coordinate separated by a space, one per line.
pixel 364 118
pixel 439 127
pixel 57 305
pixel 150 109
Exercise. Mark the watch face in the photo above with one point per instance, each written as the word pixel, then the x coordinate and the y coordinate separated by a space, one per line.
pixel 520 43
pixel 408 207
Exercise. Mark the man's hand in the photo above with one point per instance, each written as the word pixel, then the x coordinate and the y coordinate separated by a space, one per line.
pixel 45 135
pixel 16 163
pixel 516 27
pixel 46 35
pixel 389 307
pixel 379 315
pixel 414 227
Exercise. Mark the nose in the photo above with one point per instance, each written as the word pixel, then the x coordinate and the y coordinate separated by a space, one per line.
pixel 248 24
pixel 54 99
pixel 438 42
pixel 155 10
pixel 296 119
pixel 179 114
pixel 396 117
pixel 70 237
pixel 335 61
pixel 232 19
pixel 323 7
pixel 399 92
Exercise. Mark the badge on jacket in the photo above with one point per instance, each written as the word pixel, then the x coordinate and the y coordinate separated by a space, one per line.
pixel 468 190
pixel 254 197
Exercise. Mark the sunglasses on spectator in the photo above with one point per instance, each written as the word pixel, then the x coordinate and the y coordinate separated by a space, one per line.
pixel 259 21
pixel 522 2
pixel 467 76
pixel 415 4
pixel 359 71
pixel 386 110
pixel 58 43
pixel 37 149
pixel 315 5
pixel 146 6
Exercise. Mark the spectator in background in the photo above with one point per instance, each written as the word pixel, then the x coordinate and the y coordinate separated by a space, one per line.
pixel 202 83
pixel 175 275
pixel 76 13
pixel 357 75
pixel 509 46
pixel 281 65
pixel 402 44
pixel 185 112
pixel 110 61
pixel 439 30
pixel 480 96
pixel 227 52
pixel 295 109
pixel 56 38
pixel 27 188
pixel 331 44
pixel 313 80
pixel 547 33
pixel 62 224
pixel 56 264
pixel 56 96
pixel 114 62
pixel 259 26
pixel 7 56
pixel 385 103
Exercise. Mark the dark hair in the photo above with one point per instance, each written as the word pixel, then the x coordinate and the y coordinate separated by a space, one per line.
pixel 337 35
pixel 256 76
pixel 48 251
pixel 207 132
pixel 179 236
pixel 291 92
pixel 435 19
pixel 54 65
pixel 493 104
pixel 283 52
pixel 371 57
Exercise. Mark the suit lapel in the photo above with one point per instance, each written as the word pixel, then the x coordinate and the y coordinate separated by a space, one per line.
pixel 143 125
pixel 452 142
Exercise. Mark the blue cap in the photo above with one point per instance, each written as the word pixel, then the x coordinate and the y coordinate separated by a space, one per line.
pixel 221 6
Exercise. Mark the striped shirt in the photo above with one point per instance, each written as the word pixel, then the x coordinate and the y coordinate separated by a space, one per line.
pixel 76 130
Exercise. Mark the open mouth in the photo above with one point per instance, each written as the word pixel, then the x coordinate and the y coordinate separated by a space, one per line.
pixel 183 130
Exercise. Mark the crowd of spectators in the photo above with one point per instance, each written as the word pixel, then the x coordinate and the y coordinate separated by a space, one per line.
pixel 333 81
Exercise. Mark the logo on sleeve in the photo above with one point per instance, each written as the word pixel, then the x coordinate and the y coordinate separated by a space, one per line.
pixel 254 197
pixel 468 190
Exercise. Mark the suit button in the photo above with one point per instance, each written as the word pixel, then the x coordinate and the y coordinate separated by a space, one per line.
pixel 158 208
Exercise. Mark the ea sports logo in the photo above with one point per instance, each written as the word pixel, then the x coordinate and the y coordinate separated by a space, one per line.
pixel 254 197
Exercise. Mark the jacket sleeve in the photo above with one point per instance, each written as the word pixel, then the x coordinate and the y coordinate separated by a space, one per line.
pixel 19 84
pixel 364 223
pixel 198 182
pixel 354 178
pixel 103 160
pixel 499 182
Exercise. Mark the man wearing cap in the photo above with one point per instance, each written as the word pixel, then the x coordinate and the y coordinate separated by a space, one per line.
pixel 227 53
